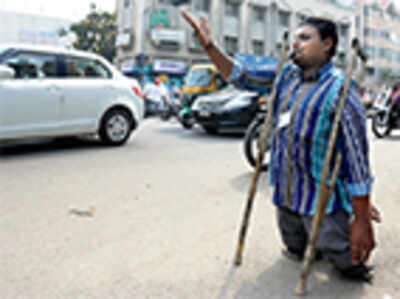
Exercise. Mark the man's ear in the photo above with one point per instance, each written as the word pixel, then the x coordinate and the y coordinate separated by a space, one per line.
pixel 328 44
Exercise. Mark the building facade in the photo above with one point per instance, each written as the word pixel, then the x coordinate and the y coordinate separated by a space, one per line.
pixel 381 35
pixel 153 31
pixel 32 29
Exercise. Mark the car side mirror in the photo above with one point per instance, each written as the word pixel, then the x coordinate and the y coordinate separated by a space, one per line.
pixel 6 72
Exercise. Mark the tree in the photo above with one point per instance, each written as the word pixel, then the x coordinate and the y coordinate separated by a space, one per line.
pixel 96 33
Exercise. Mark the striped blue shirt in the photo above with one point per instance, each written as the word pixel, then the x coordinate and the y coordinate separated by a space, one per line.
pixel 303 116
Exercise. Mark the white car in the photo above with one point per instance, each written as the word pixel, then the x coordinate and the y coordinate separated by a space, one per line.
pixel 50 92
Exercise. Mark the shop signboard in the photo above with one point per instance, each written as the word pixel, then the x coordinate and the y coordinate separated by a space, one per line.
pixel 159 19
pixel 169 66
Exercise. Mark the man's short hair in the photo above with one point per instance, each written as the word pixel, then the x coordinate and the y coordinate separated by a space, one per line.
pixel 326 29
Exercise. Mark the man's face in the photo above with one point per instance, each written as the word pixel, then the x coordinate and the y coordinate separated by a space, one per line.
pixel 308 48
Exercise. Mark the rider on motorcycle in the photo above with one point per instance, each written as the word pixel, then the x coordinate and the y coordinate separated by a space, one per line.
pixel 395 96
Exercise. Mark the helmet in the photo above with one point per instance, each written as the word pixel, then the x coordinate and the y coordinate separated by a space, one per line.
pixel 164 78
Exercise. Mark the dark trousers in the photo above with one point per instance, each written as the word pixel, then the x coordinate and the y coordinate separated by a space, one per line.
pixel 334 238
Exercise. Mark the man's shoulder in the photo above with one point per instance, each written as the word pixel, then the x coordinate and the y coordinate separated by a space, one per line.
pixel 337 73
pixel 287 70
pixel 289 67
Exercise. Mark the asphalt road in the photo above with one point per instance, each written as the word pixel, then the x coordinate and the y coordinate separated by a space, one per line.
pixel 159 218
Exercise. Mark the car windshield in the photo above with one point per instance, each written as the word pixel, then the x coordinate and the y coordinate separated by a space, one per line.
pixel 198 78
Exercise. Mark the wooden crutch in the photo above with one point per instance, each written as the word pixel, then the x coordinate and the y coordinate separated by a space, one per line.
pixel 323 198
pixel 264 137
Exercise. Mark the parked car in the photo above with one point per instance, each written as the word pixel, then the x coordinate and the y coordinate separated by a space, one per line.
pixel 51 91
pixel 229 108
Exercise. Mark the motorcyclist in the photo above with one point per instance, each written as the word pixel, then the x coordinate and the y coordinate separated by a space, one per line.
pixel 395 95
pixel 162 93
pixel 174 93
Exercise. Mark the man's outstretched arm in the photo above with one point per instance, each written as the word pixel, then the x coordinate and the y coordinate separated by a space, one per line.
pixel 221 60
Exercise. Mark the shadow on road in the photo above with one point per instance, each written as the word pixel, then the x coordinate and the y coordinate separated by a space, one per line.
pixel 199 133
pixel 279 281
pixel 228 283
pixel 389 138
pixel 242 182
pixel 18 148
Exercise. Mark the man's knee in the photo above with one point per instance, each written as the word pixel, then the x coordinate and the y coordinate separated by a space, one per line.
pixel 292 230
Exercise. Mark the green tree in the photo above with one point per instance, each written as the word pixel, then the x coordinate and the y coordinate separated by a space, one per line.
pixel 96 33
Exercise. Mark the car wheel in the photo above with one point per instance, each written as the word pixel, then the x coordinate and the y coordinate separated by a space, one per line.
pixel 210 129
pixel 165 115
pixel 115 127
pixel 251 145
pixel 187 121
pixel 380 125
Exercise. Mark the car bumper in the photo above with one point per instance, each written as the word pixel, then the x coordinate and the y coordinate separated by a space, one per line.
pixel 235 118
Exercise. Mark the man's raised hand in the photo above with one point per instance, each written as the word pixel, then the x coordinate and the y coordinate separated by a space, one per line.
pixel 200 27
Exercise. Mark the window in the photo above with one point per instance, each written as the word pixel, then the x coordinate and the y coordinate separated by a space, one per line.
pixel 366 11
pixel 371 51
pixel 231 9
pixel 387 35
pixel 396 38
pixel 344 31
pixel 366 32
pixel 258 47
pixel 375 12
pixel 32 65
pixel 358 22
pixel 202 5
pixel 127 3
pixel 259 14
pixel 382 53
pixel 196 43
pixel 301 18
pixel 341 58
pixel 85 68
pixel 389 55
pixel 179 2
pixel 231 45
pixel 284 19
pixel 172 2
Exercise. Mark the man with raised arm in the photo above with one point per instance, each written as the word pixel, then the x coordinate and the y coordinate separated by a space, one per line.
pixel 307 94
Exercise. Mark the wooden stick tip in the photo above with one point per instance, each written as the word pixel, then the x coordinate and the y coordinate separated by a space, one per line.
pixel 238 260
pixel 301 288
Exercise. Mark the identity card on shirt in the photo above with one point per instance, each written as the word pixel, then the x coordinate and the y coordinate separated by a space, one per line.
pixel 284 119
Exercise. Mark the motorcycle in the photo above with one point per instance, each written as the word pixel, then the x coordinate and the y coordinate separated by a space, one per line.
pixel 186 117
pixel 386 117
pixel 251 143
pixel 180 109
pixel 169 109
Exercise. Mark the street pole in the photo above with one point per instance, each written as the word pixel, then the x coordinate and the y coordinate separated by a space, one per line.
pixel 142 55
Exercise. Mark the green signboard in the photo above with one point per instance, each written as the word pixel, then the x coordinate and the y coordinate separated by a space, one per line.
pixel 159 19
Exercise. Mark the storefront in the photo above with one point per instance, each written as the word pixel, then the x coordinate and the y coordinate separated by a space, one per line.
pixel 174 70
